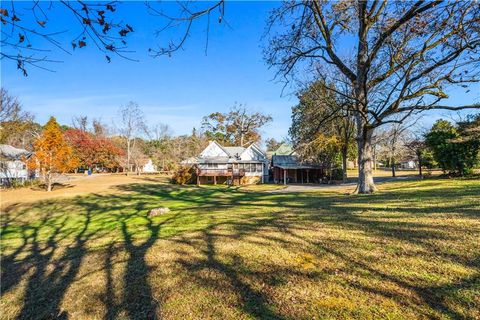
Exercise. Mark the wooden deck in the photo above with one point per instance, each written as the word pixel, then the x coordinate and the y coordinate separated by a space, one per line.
pixel 220 172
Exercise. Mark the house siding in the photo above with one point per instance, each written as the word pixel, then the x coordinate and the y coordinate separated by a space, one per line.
pixel 233 165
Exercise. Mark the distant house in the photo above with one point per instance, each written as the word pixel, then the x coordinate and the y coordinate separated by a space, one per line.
pixel 149 167
pixel 230 165
pixel 13 166
pixel 408 164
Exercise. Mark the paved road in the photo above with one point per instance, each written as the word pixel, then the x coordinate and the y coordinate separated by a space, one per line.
pixel 313 187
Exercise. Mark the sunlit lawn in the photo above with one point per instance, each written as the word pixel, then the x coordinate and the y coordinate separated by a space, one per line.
pixel 410 251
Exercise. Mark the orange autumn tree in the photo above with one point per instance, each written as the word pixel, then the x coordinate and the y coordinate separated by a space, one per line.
pixel 52 154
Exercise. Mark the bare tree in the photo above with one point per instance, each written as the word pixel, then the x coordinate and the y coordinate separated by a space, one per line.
pixel 100 129
pixel 11 109
pixel 80 123
pixel 132 126
pixel 159 132
pixel 28 38
pixel 416 147
pixel 188 13
pixel 17 127
pixel 403 57
pixel 393 140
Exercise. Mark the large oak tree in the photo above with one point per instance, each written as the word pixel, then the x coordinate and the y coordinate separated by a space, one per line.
pixel 398 57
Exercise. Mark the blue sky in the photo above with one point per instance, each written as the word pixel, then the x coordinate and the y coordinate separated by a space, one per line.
pixel 178 90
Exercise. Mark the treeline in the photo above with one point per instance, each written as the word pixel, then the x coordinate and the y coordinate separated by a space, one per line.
pixel 124 146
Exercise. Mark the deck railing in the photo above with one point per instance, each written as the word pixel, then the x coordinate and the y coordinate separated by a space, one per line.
pixel 220 172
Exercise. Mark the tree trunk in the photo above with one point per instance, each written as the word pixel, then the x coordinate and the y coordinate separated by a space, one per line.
pixel 49 181
pixel 365 161
pixel 344 163
pixel 128 156
pixel 419 156
pixel 392 163
pixel 364 131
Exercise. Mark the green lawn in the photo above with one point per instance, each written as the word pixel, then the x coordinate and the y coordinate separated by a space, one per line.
pixel 410 251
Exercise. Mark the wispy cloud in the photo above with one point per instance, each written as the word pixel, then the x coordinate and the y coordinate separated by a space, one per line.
pixel 182 118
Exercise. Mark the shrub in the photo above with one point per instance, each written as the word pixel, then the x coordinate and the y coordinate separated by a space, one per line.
pixel 337 174
pixel 454 151
pixel 183 175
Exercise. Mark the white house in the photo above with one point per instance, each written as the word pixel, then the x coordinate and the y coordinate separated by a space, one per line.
pixel 408 164
pixel 13 166
pixel 230 165
pixel 149 167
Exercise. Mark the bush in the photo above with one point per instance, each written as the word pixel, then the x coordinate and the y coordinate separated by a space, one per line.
pixel 454 151
pixel 337 174
pixel 16 183
pixel 184 175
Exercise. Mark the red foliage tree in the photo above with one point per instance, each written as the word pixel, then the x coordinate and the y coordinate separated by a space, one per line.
pixel 92 149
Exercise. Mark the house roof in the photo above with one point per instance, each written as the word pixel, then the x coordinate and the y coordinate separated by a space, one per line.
pixel 292 162
pixel 234 151
pixel 284 150
pixel 11 153
pixel 216 153
pixel 278 160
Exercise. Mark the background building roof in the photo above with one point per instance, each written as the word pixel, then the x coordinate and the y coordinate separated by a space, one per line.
pixel 11 153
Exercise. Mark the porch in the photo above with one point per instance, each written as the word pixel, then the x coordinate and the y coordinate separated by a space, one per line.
pixel 297 174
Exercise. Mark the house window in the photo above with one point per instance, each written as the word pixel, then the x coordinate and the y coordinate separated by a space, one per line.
pixel 247 167
pixel 259 167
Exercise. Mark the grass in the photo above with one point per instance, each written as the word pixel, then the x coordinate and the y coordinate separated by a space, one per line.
pixel 410 251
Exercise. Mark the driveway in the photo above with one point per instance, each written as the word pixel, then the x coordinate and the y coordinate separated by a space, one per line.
pixel 313 187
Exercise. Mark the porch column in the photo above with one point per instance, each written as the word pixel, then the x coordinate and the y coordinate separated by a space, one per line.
pixel 285 176
pixel 214 180
pixel 307 175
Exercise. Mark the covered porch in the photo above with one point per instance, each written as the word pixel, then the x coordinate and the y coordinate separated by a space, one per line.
pixel 297 174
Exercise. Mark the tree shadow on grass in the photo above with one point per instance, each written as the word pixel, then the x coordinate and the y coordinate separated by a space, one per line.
pixel 52 251
pixel 50 248
pixel 48 283
pixel 252 301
